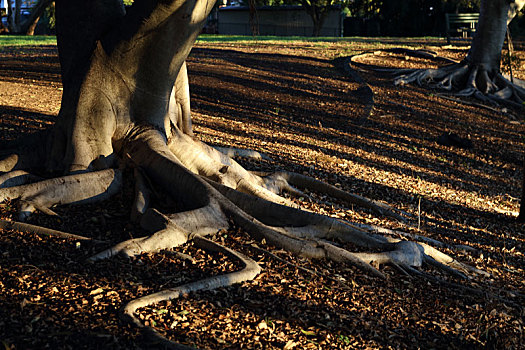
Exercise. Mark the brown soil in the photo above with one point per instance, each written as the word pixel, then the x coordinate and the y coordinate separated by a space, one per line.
pixel 296 103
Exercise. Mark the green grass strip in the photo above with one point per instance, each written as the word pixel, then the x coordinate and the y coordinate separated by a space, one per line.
pixel 25 40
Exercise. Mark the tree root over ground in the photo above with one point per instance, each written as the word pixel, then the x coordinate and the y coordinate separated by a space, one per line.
pixel 210 191
pixel 459 78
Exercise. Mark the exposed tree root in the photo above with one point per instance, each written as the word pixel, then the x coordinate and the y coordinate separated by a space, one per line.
pixel 211 203
pixel 365 91
pixel 303 233
pixel 28 228
pixel 211 192
pixel 25 153
pixel 243 153
pixel 468 80
pixel 463 79
pixel 312 272
pixel 9 162
pixel 17 178
pixel 286 181
pixel 248 272
pixel 217 166
pixel 77 189
pixel 142 195
pixel 212 164
pixel 419 238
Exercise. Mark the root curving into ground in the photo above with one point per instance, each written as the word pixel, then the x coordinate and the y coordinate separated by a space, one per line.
pixel 463 79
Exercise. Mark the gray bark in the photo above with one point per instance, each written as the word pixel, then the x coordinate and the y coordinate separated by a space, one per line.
pixel 119 69
pixel 318 14
pixel 10 17
pixel 490 34
pixel 479 73
pixel 18 8
pixel 15 23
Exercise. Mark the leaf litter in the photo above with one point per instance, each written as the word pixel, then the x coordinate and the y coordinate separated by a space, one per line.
pixel 296 104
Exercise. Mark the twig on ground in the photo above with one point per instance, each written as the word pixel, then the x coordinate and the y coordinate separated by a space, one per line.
pixel 28 228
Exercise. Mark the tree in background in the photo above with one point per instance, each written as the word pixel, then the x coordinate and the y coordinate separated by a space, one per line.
pixel 16 24
pixel 479 73
pixel 372 8
pixel 318 9
pixel 410 17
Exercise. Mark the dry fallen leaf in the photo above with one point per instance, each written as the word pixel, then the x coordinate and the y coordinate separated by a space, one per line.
pixel 96 291
pixel 289 345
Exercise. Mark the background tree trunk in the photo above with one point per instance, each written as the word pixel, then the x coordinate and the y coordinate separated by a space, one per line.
pixel 490 35
pixel 318 21
pixel 18 10
pixel 29 25
pixel 30 29
pixel 10 17
pixel 317 12
pixel 16 24
pixel 254 18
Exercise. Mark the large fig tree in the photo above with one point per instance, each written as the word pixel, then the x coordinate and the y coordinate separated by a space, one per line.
pixel 126 104
pixel 479 74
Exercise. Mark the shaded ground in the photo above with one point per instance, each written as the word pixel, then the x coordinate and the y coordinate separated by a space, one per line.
pixel 296 103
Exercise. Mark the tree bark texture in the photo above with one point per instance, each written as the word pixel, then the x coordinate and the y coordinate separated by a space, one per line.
pixel 490 35
pixel 479 73
pixel 18 26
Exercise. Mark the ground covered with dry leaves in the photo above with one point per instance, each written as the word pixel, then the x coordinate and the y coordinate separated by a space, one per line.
pixel 300 104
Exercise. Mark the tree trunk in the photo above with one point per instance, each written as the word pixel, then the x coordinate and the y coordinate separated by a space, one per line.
pixel 134 78
pixel 254 18
pixel 479 73
pixel 490 36
pixel 18 10
pixel 11 17
pixel 488 41
pixel 317 20
pixel 487 45
pixel 29 25
pixel 317 14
